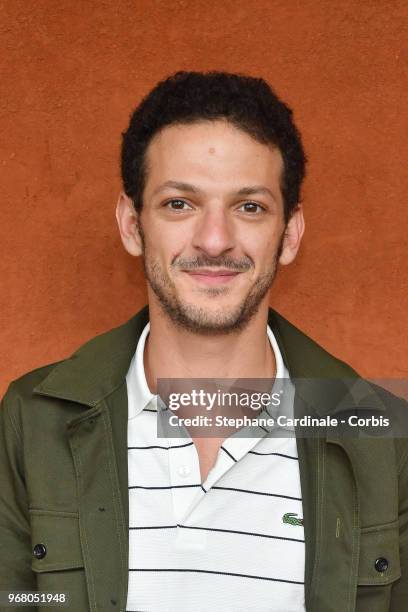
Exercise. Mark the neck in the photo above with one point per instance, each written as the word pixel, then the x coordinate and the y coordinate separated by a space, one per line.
pixel 173 352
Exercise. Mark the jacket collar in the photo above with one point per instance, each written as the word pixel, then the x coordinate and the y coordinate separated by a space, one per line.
pixel 100 366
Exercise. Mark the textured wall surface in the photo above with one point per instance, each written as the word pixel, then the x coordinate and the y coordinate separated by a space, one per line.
pixel 72 71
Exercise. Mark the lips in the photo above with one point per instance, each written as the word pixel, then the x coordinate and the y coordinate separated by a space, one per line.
pixel 212 272
pixel 212 276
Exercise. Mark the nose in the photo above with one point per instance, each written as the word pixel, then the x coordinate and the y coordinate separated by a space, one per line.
pixel 214 233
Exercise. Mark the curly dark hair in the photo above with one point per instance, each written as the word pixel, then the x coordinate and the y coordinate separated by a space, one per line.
pixel 248 103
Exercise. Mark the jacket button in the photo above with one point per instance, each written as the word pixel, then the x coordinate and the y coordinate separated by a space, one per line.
pixel 39 551
pixel 381 565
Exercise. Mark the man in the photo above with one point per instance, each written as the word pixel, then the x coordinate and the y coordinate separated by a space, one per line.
pixel 96 505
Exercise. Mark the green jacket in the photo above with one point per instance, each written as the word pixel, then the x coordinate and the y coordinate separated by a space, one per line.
pixel 63 478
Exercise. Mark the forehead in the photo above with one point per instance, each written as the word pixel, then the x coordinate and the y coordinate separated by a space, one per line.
pixel 211 151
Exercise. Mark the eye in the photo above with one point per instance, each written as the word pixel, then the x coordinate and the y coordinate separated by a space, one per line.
pixel 177 205
pixel 252 207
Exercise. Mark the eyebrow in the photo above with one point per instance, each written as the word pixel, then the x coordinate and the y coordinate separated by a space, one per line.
pixel 251 190
pixel 177 185
pixel 244 191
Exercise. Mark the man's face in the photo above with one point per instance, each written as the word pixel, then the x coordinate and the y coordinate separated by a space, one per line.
pixel 211 225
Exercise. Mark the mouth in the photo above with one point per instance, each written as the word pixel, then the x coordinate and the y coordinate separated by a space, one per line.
pixel 212 277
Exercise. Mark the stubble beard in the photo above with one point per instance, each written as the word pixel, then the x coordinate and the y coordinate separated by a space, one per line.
pixel 196 319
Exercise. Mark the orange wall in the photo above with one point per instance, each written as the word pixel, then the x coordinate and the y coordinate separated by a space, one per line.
pixel 72 73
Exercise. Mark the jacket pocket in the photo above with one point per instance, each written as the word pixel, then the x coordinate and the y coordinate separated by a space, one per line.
pixel 59 566
pixel 379 555
pixel 56 544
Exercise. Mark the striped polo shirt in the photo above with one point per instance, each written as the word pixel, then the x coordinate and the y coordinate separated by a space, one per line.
pixel 232 543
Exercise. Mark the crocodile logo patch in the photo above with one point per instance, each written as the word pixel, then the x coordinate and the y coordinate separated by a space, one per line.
pixel 291 518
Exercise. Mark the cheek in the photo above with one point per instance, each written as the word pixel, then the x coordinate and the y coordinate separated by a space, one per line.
pixel 165 247
pixel 257 243
pixel 264 250
pixel 171 240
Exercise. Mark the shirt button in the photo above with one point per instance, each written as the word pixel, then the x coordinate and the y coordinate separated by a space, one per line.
pixel 184 470
pixel 381 565
pixel 39 551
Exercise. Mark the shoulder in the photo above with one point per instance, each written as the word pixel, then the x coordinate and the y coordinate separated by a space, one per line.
pixel 304 357
pixel 397 408
pixel 20 395
pixel 24 385
pixel 87 375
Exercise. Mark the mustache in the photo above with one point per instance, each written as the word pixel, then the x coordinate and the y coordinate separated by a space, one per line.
pixel 240 265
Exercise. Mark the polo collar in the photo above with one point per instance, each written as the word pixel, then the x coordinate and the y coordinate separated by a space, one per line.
pixel 139 394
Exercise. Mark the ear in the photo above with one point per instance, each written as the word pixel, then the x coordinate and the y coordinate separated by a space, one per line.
pixel 128 219
pixel 293 236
